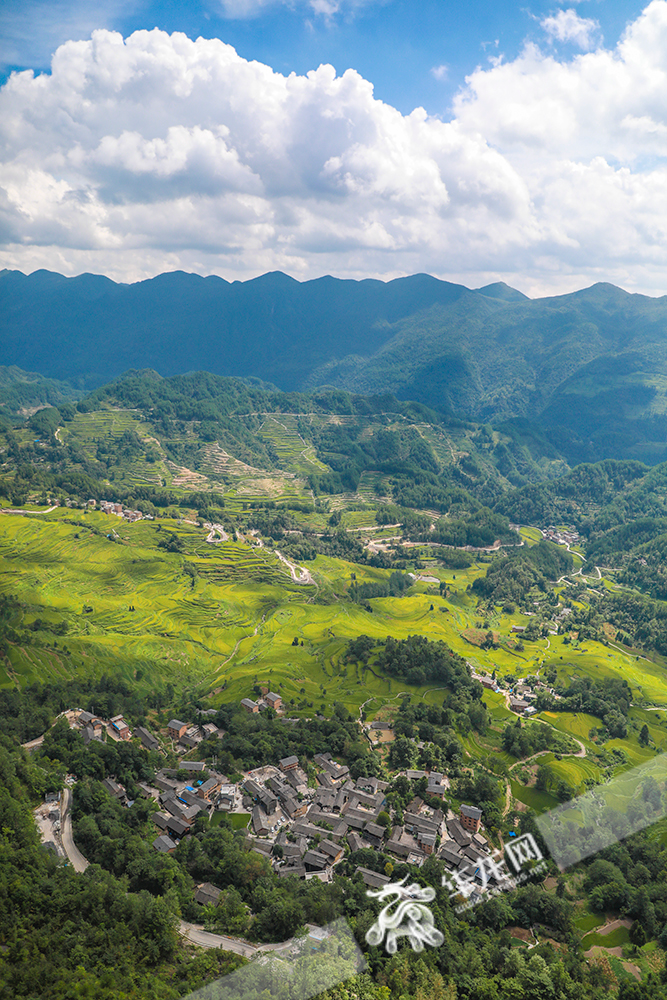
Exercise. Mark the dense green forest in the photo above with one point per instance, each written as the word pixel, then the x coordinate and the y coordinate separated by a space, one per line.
pixel 511 578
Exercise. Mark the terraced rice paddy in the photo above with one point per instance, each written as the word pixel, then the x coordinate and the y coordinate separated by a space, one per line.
pixel 92 430
pixel 293 453
pixel 220 619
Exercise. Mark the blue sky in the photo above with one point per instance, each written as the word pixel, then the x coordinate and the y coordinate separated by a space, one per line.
pixel 476 142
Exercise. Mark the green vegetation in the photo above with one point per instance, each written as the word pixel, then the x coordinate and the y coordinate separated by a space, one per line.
pixel 334 575
pixel 512 579
pixel 111 944
pixel 513 360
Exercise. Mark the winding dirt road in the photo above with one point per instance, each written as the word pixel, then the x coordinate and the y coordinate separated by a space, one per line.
pixel 304 576
pixel 213 530
pixel 205 939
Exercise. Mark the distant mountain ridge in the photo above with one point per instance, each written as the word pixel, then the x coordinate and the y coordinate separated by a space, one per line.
pixel 590 365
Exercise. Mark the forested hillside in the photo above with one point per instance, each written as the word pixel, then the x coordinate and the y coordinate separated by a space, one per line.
pixel 585 367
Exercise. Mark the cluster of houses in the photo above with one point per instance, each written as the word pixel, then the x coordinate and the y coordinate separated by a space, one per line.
pixel 185 735
pixel 520 700
pixel 188 736
pixel 268 699
pixel 564 536
pixel 119 510
pixel 521 697
pixel 487 682
pixel 304 831
pixel 182 801
pixel 93 727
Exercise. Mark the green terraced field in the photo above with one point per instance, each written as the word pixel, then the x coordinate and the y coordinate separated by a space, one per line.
pixel 575 771
pixel 234 624
pixel 576 724
pixel 294 454
pixel 537 801
pixel 613 939
pixel 589 921
pixel 220 619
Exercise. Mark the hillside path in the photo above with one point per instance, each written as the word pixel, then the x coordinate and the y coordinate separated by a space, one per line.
pixel 8 510
pixel 205 939
pixel 541 753
pixel 304 575
pixel 215 529
pixel 250 635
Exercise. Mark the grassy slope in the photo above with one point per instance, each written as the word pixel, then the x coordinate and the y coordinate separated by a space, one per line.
pixel 236 625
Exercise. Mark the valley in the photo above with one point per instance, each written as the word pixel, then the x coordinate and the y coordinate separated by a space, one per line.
pixel 172 548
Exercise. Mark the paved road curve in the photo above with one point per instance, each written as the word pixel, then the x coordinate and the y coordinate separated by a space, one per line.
pixel 77 859
pixel 191 932
pixel 204 939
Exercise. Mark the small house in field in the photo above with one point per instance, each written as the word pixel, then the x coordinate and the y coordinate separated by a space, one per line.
pixel 114 789
pixel 120 727
pixel 273 700
pixel 374 880
pixel 226 798
pixel 250 706
pixel 259 824
pixel 164 844
pixel 209 789
pixel 333 851
pixel 147 739
pixel 437 784
pixel 315 860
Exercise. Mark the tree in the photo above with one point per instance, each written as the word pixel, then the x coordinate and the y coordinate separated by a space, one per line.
pixel 231 915
pixel 637 935
pixel 644 736
pixel 543 778
pixel 402 754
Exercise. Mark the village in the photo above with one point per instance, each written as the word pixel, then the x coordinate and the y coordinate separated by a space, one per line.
pixel 304 828
pixel 106 506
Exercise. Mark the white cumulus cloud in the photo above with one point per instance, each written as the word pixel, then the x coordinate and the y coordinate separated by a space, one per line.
pixel 159 144
pixel 567 26
pixel 154 152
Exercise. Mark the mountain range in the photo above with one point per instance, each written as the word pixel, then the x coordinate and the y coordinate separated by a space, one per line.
pixel 589 368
